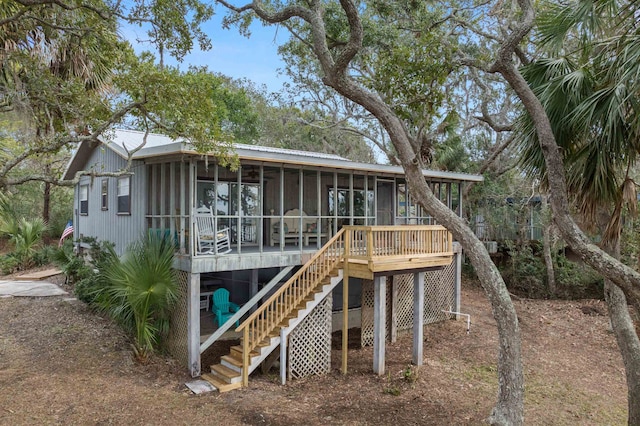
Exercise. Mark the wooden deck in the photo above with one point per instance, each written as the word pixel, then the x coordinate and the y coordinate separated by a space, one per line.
pixel 384 250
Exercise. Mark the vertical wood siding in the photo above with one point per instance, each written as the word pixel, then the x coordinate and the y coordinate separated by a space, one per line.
pixel 108 225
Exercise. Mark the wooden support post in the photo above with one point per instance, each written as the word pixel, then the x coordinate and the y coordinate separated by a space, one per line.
pixel 457 281
pixel 283 356
pixel 379 323
pixel 418 318
pixel 193 324
pixel 345 320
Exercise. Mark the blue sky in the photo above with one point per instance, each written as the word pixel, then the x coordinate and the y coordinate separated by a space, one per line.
pixel 232 54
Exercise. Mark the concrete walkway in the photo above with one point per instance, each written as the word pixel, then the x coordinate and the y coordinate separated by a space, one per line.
pixel 30 288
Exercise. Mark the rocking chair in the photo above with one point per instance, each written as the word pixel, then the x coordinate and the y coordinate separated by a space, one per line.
pixel 210 240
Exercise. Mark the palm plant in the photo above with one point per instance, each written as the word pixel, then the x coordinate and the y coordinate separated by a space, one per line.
pixel 589 91
pixel 27 239
pixel 141 291
pixel 8 217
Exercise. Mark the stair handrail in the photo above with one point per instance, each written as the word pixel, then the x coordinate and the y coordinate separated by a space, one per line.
pixel 286 299
pixel 244 309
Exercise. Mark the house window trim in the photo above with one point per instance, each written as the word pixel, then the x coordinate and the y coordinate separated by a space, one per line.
pixel 118 196
pixel 104 194
pixel 83 212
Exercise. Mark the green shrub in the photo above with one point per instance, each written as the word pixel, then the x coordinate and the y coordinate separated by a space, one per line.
pixel 43 256
pixel 84 271
pixel 526 275
pixel 524 272
pixel 73 266
pixel 140 291
pixel 8 264
pixel 576 280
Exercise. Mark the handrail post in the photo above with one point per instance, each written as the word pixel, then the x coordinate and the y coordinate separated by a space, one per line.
pixel 369 242
pixel 347 245
pixel 245 357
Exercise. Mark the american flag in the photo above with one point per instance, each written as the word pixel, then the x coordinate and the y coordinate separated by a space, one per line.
pixel 68 230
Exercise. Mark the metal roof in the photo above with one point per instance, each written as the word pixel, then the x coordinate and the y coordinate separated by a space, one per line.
pixel 122 141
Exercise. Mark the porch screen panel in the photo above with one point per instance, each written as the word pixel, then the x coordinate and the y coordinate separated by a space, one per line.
pixel 326 185
pixel 250 208
pixel 371 201
pixel 310 226
pixel 359 200
pixel 225 206
pixel 455 198
pixel 340 201
pixel 402 199
pixel 271 192
pixel 310 193
pixel 272 202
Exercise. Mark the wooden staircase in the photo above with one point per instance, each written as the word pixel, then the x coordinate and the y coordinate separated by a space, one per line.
pixel 283 311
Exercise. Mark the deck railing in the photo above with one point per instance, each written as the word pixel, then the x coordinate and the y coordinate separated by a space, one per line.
pixel 268 317
pixel 372 243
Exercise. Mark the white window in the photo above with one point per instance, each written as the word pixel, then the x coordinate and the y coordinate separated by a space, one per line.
pixel 84 199
pixel 124 197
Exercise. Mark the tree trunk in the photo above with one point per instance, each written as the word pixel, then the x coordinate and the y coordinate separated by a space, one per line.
pixel 47 202
pixel 628 343
pixel 624 330
pixel 546 248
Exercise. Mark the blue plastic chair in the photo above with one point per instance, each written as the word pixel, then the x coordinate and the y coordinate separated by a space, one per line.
pixel 222 308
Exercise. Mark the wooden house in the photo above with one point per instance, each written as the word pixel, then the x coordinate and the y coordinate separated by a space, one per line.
pixel 301 241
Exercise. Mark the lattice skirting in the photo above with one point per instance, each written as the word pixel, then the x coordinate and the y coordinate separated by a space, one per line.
pixel 309 348
pixel 439 295
pixel 178 331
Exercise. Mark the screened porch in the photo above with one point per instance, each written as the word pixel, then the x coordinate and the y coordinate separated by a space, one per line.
pixel 275 208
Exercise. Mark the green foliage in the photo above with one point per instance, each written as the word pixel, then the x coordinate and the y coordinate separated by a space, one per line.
pixel 410 374
pixel 140 291
pixel 25 237
pixel 8 264
pixel 43 256
pixel 577 280
pixel 524 272
pixel 8 216
pixel 406 59
pixel 84 271
pixel 630 243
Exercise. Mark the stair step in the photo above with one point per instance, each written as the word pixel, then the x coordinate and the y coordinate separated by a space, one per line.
pixel 226 374
pixel 219 384
pixel 237 350
pixel 230 361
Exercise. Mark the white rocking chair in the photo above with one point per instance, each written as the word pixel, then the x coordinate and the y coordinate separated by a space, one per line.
pixel 210 240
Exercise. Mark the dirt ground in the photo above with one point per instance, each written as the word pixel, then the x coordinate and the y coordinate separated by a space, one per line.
pixel 62 364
